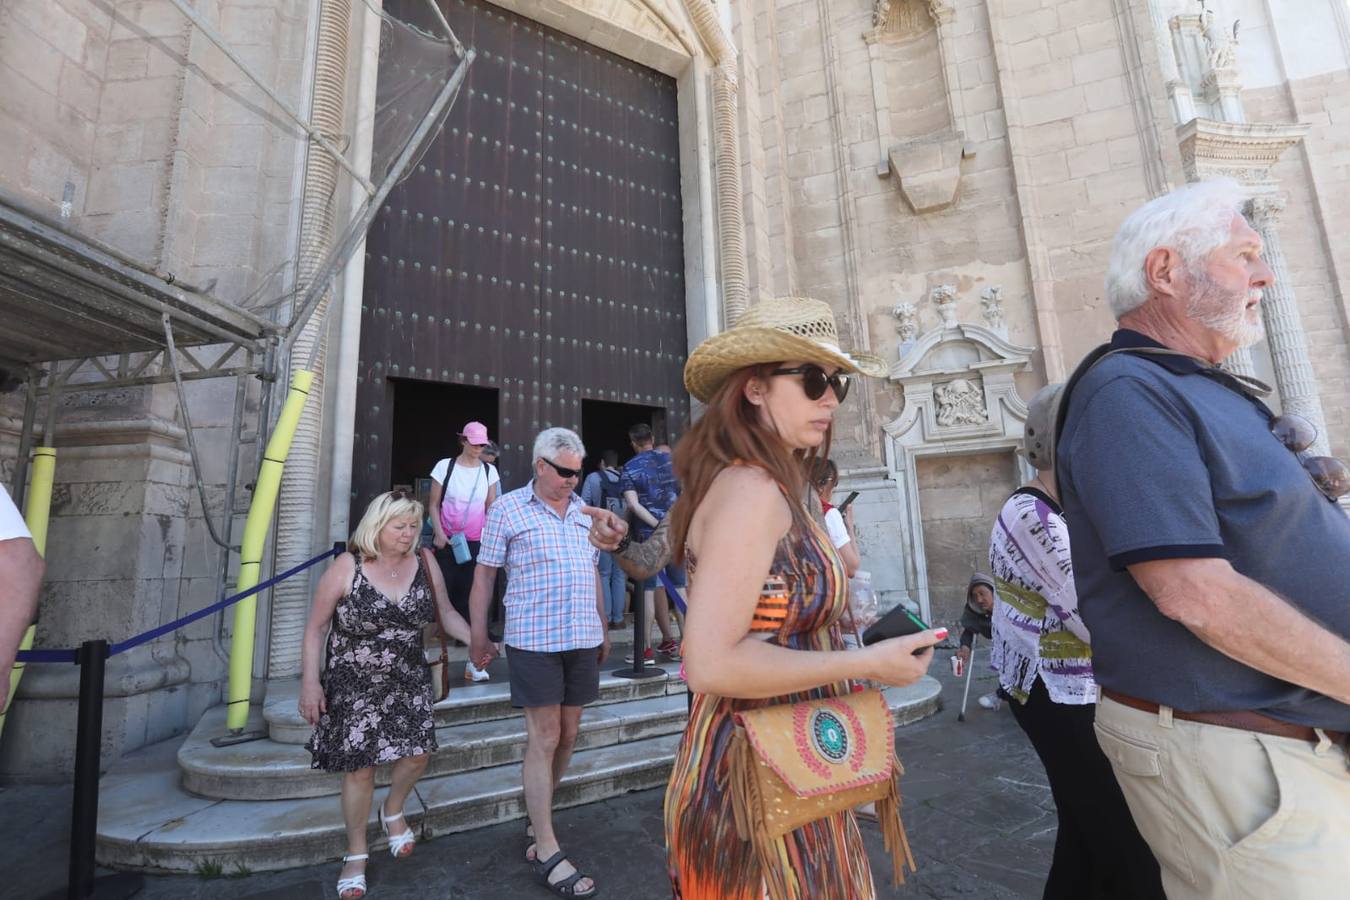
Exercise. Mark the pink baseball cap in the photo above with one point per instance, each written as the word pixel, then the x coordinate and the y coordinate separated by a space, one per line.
pixel 475 433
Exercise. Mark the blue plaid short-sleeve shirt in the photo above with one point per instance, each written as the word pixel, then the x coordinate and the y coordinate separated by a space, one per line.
pixel 550 572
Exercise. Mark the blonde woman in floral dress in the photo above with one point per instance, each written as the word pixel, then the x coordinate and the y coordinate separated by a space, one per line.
pixel 373 704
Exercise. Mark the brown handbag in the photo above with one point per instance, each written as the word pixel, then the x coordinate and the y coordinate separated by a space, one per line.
pixel 425 557
pixel 794 763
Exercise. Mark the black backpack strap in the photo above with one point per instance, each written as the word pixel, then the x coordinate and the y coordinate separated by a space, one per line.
pixel 1096 355
pixel 1253 389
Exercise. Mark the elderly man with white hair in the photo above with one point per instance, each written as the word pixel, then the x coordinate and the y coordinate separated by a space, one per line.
pixel 1212 570
pixel 555 630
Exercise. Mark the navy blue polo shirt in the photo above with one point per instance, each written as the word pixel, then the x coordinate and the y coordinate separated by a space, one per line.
pixel 1158 460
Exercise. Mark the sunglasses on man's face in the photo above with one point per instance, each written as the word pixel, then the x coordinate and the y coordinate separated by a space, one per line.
pixel 1298 434
pixel 563 471
pixel 815 381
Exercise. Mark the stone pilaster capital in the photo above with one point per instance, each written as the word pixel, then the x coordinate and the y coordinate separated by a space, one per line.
pixel 1264 210
pixel 942 11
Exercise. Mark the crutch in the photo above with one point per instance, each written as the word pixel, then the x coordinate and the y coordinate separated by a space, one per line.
pixel 970 671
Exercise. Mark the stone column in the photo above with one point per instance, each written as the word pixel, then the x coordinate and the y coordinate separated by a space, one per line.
pixel 1284 328
pixel 1240 363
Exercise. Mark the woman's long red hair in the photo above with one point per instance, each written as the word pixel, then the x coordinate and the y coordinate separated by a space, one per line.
pixel 731 430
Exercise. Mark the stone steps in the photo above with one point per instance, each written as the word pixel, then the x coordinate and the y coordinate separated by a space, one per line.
pixel 267 770
pixel 470 703
pixel 149 821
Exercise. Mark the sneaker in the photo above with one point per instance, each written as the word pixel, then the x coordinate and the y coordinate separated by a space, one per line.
pixel 648 656
pixel 991 701
pixel 474 674
pixel 670 648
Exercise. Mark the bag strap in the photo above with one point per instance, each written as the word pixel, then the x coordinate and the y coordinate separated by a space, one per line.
pixel 426 560
pixel 1253 389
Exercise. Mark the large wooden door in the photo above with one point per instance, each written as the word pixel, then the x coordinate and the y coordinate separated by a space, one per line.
pixel 535 249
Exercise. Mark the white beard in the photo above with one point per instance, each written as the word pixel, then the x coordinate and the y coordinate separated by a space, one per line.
pixel 1225 312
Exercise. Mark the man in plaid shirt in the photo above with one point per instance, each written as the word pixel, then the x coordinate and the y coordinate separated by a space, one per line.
pixel 555 628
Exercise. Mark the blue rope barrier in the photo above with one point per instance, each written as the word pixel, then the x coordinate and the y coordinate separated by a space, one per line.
pixel 55 656
pixel 672 592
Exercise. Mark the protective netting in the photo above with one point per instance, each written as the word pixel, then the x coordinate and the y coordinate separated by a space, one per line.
pixel 416 83
pixel 234 150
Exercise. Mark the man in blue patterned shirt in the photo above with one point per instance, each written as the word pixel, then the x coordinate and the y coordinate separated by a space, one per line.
pixel 650 488
pixel 555 627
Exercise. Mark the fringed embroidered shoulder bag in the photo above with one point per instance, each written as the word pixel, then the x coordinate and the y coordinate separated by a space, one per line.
pixel 794 763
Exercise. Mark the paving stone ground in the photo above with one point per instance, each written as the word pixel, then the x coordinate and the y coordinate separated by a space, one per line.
pixel 979 815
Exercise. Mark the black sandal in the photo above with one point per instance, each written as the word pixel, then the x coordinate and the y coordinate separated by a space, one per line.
pixel 566 887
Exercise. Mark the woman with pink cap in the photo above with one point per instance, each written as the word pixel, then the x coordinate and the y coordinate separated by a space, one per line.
pixel 462 489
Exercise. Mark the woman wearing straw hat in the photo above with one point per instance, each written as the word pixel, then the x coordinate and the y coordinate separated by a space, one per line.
pixel 462 489
pixel 771 384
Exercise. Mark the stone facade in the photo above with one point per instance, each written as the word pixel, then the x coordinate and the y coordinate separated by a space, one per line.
pixel 957 166
pixel 131 128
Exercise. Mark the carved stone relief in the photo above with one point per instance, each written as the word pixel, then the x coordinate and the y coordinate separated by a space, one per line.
pixel 944 301
pixel 901 18
pixel 907 321
pixel 993 310
pixel 960 402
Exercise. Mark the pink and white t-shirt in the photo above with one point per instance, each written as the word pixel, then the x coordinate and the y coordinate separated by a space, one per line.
pixel 464 500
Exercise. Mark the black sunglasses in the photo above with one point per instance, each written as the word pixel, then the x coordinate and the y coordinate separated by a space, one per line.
pixel 1298 434
pixel 561 470
pixel 815 381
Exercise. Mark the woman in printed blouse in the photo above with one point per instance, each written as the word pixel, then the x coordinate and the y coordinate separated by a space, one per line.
pixel 373 704
pixel 1042 652
pixel 771 384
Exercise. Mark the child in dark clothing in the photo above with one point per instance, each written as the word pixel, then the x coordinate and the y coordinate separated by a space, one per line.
pixel 977 617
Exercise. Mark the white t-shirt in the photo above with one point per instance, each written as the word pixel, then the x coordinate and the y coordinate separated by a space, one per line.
pixel 464 501
pixel 11 523
pixel 834 524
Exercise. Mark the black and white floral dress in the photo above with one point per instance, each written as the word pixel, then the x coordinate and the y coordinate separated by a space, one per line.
pixel 377 684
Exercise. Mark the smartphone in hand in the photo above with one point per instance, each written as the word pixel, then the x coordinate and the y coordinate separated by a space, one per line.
pixel 847 500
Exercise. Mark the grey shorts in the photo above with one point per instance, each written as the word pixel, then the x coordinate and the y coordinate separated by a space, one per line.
pixel 559 678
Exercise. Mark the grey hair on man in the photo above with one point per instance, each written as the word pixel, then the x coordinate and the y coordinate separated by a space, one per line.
pixel 552 441
pixel 1193 220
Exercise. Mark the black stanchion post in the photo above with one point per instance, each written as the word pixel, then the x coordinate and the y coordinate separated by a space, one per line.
pixel 92 658
pixel 640 668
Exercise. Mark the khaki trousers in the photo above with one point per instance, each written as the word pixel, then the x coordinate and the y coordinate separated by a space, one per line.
pixel 1230 814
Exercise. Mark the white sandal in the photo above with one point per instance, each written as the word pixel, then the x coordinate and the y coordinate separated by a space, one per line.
pixel 356 884
pixel 398 843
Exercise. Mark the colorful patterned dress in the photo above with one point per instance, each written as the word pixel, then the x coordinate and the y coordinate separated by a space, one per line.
pixel 377 684
pixel 805 597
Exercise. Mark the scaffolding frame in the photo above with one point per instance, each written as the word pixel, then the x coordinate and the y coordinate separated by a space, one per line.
pixel 83 316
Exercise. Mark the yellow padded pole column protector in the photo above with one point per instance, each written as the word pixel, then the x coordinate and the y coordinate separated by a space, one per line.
pixel 37 513
pixel 259 520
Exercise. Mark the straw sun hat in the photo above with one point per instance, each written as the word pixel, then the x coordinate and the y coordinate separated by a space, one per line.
pixel 788 328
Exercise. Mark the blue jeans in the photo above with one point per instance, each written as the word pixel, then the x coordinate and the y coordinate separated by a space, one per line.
pixel 612 581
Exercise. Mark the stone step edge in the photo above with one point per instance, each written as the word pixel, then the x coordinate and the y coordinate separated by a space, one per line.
pixel 299 781
pixel 279 850
pixel 157 851
pixel 293 778
pixel 476 703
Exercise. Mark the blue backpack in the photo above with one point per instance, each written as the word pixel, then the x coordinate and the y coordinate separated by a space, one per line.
pixel 611 494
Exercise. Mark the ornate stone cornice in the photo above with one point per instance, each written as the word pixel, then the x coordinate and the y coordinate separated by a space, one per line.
pixel 1245 151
